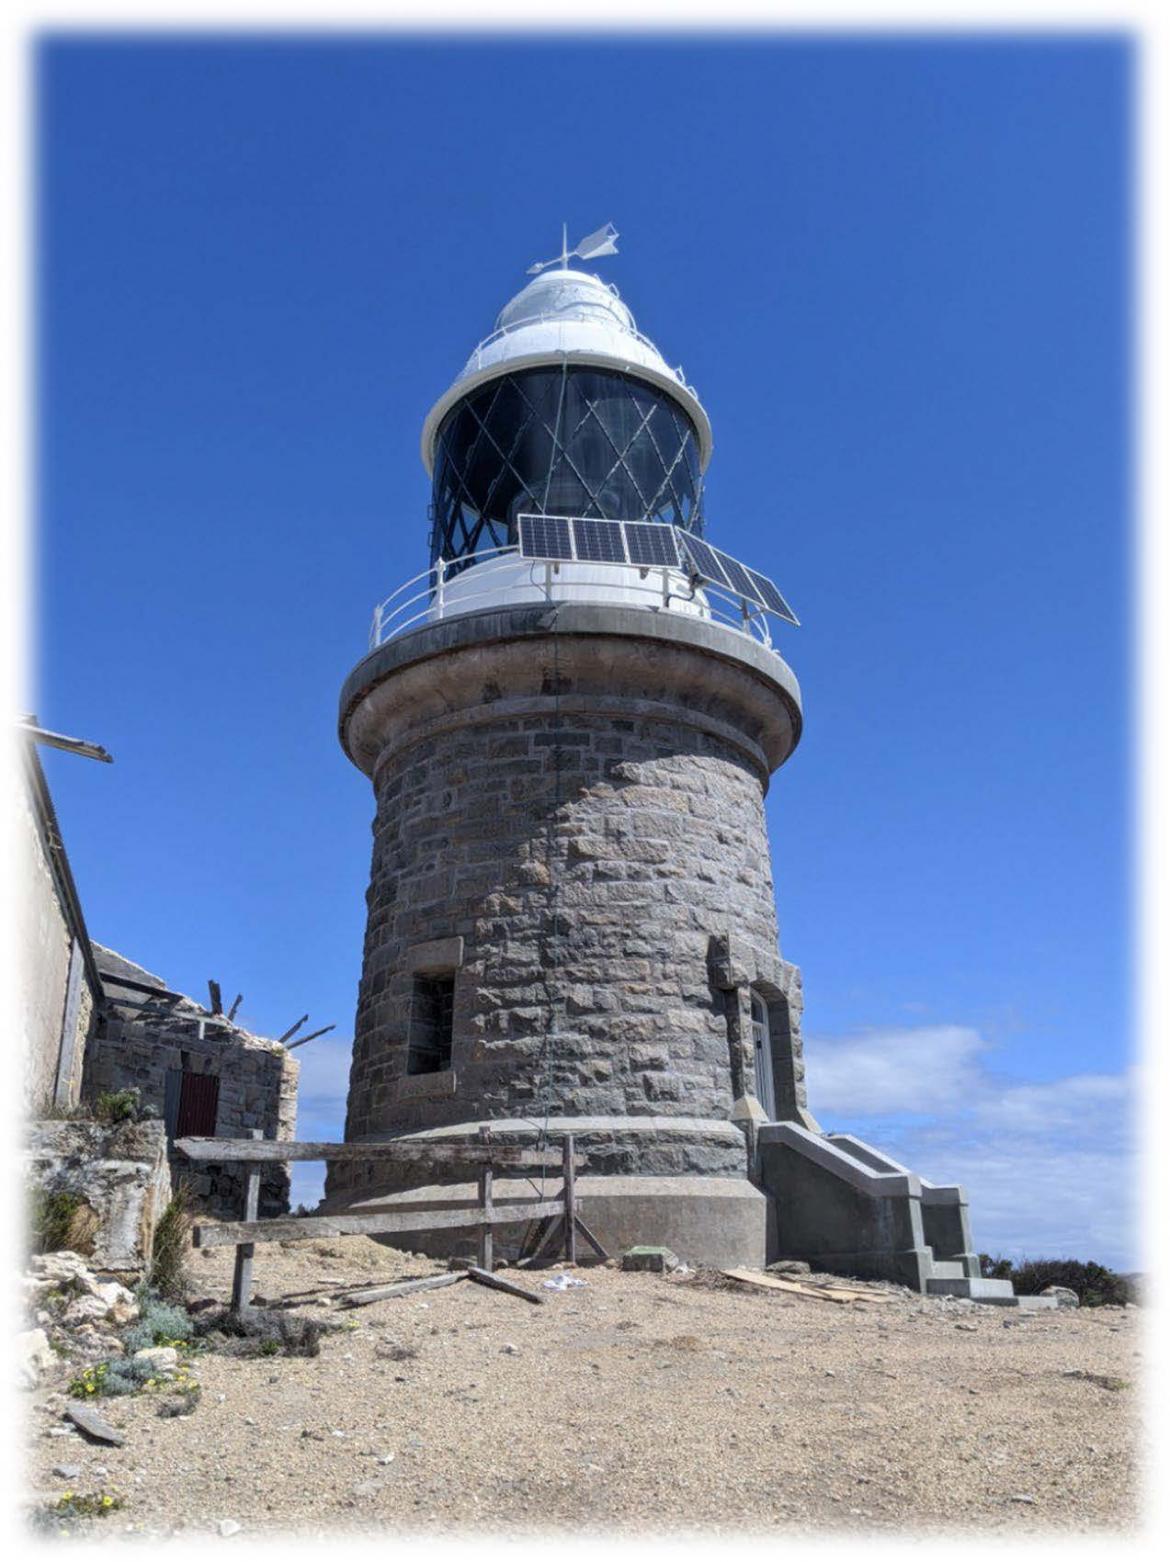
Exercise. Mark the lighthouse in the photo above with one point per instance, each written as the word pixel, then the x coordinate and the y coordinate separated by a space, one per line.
pixel 571 717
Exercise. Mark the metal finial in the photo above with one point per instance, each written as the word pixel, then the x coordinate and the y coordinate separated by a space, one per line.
pixel 603 242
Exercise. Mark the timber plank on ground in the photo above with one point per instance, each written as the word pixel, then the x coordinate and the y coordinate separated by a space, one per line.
pixel 790 1287
pixel 381 1293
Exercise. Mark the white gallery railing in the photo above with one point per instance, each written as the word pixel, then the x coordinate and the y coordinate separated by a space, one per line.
pixel 503 577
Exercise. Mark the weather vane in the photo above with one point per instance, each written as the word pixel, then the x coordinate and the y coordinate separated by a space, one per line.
pixel 603 242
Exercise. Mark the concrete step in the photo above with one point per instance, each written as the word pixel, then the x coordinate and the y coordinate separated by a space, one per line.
pixel 946 1269
pixel 998 1292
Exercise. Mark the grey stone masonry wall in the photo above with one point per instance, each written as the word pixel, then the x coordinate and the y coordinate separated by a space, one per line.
pixel 574 826
pixel 151 1050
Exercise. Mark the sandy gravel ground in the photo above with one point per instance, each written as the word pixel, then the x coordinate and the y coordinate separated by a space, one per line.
pixel 638 1402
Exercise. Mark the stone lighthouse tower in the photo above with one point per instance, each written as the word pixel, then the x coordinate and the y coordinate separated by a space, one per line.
pixel 570 719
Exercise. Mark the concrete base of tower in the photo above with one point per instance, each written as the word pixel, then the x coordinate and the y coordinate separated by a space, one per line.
pixel 713 1221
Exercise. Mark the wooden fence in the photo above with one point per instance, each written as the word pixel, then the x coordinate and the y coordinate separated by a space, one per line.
pixel 558 1213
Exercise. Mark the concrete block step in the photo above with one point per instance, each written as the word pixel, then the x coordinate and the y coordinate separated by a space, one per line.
pixel 998 1292
pixel 946 1269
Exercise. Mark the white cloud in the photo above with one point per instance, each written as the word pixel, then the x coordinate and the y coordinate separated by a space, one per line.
pixel 915 1069
pixel 1049 1166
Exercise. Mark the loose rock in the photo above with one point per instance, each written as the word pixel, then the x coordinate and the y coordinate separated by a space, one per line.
pixel 93 1425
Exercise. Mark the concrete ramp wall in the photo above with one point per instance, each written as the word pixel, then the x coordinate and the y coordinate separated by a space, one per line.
pixel 848 1209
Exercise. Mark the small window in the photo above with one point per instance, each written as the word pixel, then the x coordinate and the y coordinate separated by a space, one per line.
pixel 432 1023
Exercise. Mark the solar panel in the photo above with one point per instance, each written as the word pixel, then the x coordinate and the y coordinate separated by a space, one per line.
pixel 705 560
pixel 599 542
pixel 650 543
pixel 771 599
pixel 740 580
pixel 545 537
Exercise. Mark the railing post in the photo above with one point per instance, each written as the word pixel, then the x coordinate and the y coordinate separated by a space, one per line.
pixel 570 1200
pixel 440 582
pixel 246 1251
pixel 486 1245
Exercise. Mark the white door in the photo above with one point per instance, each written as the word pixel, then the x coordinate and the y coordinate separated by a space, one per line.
pixel 765 1084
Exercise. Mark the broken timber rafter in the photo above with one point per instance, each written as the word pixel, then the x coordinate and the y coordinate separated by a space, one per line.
pixel 312 1036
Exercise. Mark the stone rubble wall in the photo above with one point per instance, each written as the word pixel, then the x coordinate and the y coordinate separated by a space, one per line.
pixel 120 1172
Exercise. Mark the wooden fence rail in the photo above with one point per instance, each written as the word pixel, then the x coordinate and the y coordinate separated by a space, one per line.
pixel 254 1152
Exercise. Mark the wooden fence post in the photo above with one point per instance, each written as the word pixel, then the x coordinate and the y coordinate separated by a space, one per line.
pixel 570 1201
pixel 486 1243
pixel 246 1251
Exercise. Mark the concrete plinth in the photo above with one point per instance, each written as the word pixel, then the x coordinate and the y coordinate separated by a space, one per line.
pixel 714 1221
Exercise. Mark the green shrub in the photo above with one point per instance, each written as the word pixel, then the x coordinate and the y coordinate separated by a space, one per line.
pixel 259 1332
pixel 109 1379
pixel 995 1268
pixel 119 1106
pixel 61 1222
pixel 88 1505
pixel 1094 1284
pixel 159 1323
pixel 169 1276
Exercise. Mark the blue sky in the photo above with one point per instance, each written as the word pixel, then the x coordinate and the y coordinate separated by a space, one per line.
pixel 897 272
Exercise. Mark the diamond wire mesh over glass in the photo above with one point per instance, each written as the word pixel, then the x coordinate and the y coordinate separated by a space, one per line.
pixel 561 441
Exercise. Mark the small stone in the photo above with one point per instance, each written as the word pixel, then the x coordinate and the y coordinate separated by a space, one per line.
pixel 1023 1497
pixel 789 1266
pixel 93 1425
pixel 228 1527
pixel 67 1472
pixel 386 1458
pixel 971 1328
pixel 162 1359
pixel 655 1260
pixel 510 1350
pixel 33 1355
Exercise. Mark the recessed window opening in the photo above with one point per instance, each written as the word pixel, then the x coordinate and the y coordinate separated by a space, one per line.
pixel 432 1024
pixel 762 1042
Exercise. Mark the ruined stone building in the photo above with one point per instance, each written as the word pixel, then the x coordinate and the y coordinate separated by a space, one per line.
pixel 94 1023
pixel 570 720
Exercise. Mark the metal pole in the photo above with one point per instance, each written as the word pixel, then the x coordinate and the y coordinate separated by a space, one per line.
pixel 246 1251
pixel 486 1245
pixel 570 1200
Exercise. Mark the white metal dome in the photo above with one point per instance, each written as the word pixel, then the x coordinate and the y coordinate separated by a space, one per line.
pixel 563 314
